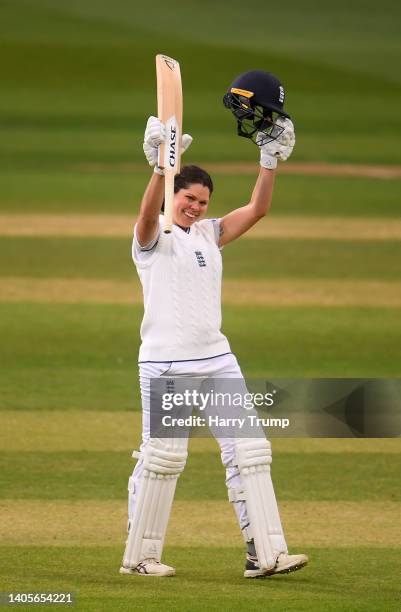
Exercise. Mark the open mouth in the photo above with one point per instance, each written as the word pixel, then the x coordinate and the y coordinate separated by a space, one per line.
pixel 190 215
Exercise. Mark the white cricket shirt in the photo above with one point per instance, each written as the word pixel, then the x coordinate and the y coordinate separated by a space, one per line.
pixel 181 282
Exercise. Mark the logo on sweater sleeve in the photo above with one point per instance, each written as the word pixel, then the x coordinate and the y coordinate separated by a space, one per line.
pixel 200 259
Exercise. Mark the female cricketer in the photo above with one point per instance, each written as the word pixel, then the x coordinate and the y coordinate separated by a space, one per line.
pixel 180 332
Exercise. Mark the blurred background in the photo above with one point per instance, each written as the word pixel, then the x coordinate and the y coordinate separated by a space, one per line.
pixel 314 290
pixel 312 286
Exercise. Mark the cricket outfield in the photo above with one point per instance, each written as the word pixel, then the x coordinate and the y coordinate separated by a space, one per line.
pixel 313 291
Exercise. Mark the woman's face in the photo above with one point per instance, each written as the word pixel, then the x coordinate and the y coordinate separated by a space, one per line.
pixel 190 204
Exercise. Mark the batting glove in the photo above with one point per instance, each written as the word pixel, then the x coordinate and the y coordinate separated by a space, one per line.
pixel 281 148
pixel 155 134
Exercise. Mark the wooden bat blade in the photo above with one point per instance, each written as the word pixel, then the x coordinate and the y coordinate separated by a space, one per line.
pixel 169 109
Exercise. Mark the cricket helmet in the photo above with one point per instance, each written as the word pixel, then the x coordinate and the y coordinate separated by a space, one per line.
pixel 256 99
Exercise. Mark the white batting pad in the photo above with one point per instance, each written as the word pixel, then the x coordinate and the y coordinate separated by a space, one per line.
pixel 163 461
pixel 254 458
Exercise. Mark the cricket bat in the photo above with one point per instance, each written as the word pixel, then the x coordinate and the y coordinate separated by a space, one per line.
pixel 169 111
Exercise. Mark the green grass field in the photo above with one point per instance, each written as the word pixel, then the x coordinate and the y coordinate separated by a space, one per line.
pixel 78 82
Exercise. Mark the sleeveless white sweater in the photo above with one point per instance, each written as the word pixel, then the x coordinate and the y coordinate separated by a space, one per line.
pixel 181 282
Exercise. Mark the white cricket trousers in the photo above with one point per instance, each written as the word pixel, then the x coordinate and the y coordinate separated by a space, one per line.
pixel 222 366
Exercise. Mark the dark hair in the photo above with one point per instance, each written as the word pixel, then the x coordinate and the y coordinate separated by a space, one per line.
pixel 190 175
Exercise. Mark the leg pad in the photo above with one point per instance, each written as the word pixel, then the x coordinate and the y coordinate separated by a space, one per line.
pixel 163 462
pixel 253 457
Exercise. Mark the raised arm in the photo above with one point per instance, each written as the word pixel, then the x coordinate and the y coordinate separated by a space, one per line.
pixel 148 219
pixel 239 221
pixel 147 225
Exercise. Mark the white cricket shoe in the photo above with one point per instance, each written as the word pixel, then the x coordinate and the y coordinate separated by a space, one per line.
pixel 284 565
pixel 149 567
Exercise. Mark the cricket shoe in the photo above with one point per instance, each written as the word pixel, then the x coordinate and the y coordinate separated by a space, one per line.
pixel 149 567
pixel 284 565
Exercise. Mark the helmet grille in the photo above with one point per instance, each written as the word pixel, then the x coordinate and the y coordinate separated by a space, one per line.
pixel 253 121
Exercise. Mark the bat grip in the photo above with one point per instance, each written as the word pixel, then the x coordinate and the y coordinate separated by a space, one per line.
pixel 168 202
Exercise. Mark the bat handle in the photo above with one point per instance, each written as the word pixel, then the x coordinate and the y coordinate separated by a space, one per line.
pixel 168 202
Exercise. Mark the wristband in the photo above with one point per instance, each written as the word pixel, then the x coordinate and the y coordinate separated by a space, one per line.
pixel 268 161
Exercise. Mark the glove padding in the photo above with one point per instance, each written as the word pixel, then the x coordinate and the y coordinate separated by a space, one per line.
pixel 281 148
pixel 155 134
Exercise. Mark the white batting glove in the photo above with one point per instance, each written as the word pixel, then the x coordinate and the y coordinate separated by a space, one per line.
pixel 155 134
pixel 186 141
pixel 281 148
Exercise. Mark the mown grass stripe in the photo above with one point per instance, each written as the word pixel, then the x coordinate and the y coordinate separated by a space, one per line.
pixel 259 259
pixel 79 475
pixel 207 524
pixel 208 578
pixel 83 356
pixel 67 192
pixel 381 171
pixel 332 228
pixel 80 430
pixel 277 292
